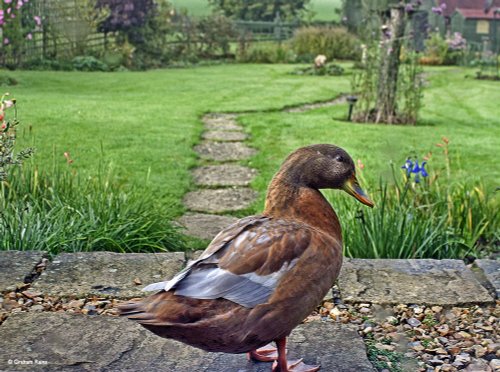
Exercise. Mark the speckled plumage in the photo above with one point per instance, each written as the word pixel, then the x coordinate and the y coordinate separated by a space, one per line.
pixel 260 277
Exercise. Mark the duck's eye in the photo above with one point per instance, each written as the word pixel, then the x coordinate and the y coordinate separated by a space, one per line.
pixel 339 158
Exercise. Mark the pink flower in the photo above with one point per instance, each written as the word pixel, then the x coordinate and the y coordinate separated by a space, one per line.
pixel 7 1
pixel 6 41
pixel 29 36
pixel 38 20
pixel 9 10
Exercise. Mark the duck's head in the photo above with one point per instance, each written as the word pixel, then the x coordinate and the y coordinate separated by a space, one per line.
pixel 324 166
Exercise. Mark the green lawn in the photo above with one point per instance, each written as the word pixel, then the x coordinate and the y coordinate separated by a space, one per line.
pixel 324 9
pixel 147 122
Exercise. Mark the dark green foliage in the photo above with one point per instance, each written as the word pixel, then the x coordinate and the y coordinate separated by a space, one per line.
pixel 62 211
pixel 89 63
pixel 330 69
pixel 333 42
pixel 424 220
pixel 266 53
pixel 260 10
pixel 43 64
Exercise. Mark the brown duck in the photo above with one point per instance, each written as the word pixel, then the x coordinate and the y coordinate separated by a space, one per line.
pixel 260 277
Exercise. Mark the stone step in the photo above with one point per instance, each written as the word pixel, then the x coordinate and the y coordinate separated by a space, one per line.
pixel 407 281
pixel 224 151
pixel 224 136
pixel 220 200
pixel 61 341
pixel 205 226
pixel 106 273
pixel 223 175
pixel 16 267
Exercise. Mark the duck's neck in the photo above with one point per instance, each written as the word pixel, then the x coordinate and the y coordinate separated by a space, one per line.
pixel 286 199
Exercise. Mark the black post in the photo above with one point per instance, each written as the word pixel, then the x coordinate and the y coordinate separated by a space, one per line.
pixel 352 101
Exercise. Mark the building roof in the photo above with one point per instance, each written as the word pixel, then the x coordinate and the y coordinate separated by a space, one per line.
pixel 477 5
pixel 477 14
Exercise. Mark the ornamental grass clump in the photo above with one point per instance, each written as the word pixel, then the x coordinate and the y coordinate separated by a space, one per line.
pixel 422 213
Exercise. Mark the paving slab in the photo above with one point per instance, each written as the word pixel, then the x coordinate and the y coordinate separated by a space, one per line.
pixel 16 266
pixel 69 342
pixel 224 136
pixel 223 175
pixel 107 273
pixel 491 270
pixel 221 122
pixel 224 151
pixel 430 282
pixel 205 226
pixel 220 200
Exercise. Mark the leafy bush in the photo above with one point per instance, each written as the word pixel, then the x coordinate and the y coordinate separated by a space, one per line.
pixel 266 53
pixel 43 64
pixel 331 69
pixel 63 211
pixel 440 51
pixel 89 63
pixel 333 42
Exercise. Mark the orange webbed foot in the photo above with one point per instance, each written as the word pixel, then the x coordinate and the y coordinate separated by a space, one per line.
pixel 266 353
pixel 295 366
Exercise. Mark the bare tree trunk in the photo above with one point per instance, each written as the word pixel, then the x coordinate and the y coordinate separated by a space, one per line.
pixel 392 39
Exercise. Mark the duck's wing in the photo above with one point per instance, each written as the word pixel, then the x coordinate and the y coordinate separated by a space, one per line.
pixel 245 263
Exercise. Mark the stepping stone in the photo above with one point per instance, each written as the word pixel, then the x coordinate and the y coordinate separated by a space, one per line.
pixel 224 151
pixel 62 341
pixel 223 175
pixel 224 136
pixel 107 273
pixel 205 226
pixel 491 270
pixel 17 266
pixel 429 282
pixel 220 200
pixel 221 122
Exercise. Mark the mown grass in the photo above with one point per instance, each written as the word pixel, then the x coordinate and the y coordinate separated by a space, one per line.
pixel 324 10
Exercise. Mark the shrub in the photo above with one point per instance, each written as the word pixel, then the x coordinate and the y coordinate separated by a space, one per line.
pixel 89 63
pixel 266 53
pixel 333 42
pixel 43 64
pixel 331 69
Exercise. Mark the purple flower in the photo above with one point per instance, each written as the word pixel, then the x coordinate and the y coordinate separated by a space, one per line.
pixel 6 41
pixel 38 20
pixel 7 1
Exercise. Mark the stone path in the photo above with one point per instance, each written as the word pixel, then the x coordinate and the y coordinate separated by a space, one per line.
pixel 223 183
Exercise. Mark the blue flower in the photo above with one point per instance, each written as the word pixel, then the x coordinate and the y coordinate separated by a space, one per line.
pixel 408 166
pixel 413 167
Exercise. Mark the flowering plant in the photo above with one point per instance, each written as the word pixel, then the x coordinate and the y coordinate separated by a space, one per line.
pixel 8 138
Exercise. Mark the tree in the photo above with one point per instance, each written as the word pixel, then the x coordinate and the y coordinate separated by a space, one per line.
pixel 260 10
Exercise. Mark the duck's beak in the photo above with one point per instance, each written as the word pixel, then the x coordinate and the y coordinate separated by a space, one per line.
pixel 351 186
